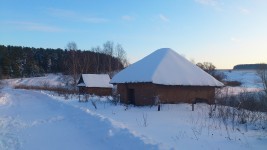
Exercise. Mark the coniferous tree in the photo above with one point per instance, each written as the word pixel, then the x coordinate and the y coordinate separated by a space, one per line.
pixel 17 61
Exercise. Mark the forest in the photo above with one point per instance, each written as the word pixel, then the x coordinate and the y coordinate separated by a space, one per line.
pixel 18 61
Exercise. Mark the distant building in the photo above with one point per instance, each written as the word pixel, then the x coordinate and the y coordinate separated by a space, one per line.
pixel 97 84
pixel 167 76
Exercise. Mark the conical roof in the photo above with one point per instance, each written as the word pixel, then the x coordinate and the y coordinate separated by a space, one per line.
pixel 166 67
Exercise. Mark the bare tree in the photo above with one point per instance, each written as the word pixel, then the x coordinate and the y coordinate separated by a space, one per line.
pixel 210 69
pixel 262 73
pixel 97 51
pixel 121 56
pixel 0 72
pixel 73 58
pixel 85 62
pixel 206 66
pixel 108 49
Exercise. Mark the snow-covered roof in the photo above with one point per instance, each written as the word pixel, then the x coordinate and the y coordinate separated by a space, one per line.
pixel 95 80
pixel 166 67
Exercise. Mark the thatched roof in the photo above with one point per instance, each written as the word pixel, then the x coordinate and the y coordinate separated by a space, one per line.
pixel 166 67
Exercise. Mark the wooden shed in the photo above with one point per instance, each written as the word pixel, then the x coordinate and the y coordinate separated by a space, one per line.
pixel 166 76
pixel 97 84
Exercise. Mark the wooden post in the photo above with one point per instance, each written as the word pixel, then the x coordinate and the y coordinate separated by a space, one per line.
pixel 157 101
pixel 192 106
pixel 79 94
pixel 214 107
pixel 158 107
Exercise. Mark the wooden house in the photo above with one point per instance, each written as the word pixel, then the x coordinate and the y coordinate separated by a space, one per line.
pixel 166 76
pixel 97 84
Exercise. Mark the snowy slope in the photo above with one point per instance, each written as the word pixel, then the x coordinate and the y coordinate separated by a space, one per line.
pixel 165 66
pixel 52 80
pixel 248 78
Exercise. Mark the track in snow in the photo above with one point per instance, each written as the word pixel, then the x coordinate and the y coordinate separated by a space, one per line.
pixel 31 120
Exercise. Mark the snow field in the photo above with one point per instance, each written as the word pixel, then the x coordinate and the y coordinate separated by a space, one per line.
pixel 248 78
pixel 176 126
pixel 42 120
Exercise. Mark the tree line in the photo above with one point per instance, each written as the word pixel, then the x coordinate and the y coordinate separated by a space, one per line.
pixel 18 61
pixel 250 66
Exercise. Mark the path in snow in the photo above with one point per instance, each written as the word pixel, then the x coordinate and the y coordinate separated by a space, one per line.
pixel 30 120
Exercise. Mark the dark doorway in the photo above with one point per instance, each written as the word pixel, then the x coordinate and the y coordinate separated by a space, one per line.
pixel 131 96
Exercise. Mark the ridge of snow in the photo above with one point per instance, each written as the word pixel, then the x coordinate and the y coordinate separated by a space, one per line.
pixel 166 67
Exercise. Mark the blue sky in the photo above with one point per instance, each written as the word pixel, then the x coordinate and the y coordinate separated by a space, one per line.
pixel 224 32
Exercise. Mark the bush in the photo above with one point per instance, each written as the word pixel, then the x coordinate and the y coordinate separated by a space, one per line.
pixel 248 108
pixel 253 101
pixel 232 83
pixel 220 76
pixel 59 90
pixel 210 69
pixel 1 84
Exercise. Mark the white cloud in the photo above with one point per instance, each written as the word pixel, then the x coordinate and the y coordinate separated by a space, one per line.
pixel 163 18
pixel 235 40
pixel 93 20
pixel 71 15
pixel 244 11
pixel 127 18
pixel 215 4
pixel 32 26
pixel 208 2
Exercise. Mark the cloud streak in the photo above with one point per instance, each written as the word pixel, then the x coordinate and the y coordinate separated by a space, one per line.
pixel 163 18
pixel 127 18
pixel 215 4
pixel 32 26
pixel 207 2
pixel 244 11
pixel 75 16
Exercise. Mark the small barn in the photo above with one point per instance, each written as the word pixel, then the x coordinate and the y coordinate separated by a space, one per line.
pixel 97 84
pixel 166 76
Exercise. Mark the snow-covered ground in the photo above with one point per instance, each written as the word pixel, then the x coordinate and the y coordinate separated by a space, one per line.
pixel 31 120
pixel 47 80
pixel 249 79
pixel 42 120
